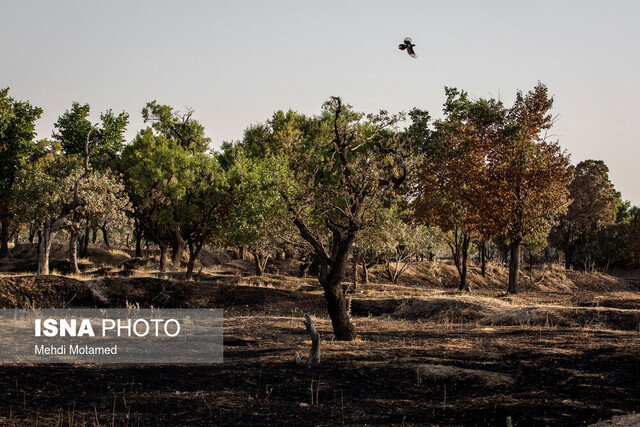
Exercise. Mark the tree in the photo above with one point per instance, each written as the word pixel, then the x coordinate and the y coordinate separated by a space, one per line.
pixel 180 193
pixel 74 124
pixel 49 193
pixel 531 174
pixel 105 202
pixel 71 130
pixel 593 206
pixel 257 219
pixel 453 180
pixel 633 238
pixel 402 242
pixel 17 130
pixel 343 169
pixel 149 164
pixel 203 210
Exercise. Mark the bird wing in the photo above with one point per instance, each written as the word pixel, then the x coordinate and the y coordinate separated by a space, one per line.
pixel 407 40
pixel 402 46
pixel 411 52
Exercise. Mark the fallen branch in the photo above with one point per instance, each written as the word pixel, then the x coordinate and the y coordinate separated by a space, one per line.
pixel 314 353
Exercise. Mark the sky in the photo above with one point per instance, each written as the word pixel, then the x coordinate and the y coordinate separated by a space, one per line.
pixel 236 62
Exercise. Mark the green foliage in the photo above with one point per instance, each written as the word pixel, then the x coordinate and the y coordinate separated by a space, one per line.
pixel 586 233
pixel 176 187
pixel 257 218
pixel 180 128
pixel 17 130
pixel 72 131
pixel 105 202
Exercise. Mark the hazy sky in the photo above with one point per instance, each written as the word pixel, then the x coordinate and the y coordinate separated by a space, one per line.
pixel 237 62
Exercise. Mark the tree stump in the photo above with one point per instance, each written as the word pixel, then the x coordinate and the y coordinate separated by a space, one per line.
pixel 314 353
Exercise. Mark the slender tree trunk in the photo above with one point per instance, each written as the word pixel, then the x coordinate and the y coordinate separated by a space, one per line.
pixel 138 234
pixel 73 252
pixel 483 260
pixel 16 238
pixel 464 262
pixel 44 249
pixel 257 258
pixel 460 253
pixel 193 255
pixel 241 252
pixel 568 254
pixel 505 253
pixel 85 246
pixel 530 261
pixel 4 236
pixel 32 233
pixel 94 235
pixel 365 272
pixel 163 257
pixel 514 265
pixel 104 236
pixel 314 353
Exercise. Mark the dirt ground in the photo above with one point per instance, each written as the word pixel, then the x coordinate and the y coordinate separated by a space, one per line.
pixel 564 352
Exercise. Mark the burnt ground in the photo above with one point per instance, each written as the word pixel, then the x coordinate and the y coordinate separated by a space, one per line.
pixel 565 353
pixel 398 372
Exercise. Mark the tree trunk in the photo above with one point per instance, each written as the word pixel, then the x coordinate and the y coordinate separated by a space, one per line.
pixel 465 256
pixel 73 252
pixel 259 262
pixel 85 246
pixel 104 235
pixel 163 257
pixel 44 249
pixel 177 248
pixel 337 308
pixel 94 235
pixel 567 259
pixel 32 233
pixel 304 268
pixel 138 232
pixel 314 353
pixel 4 236
pixel 193 255
pixel 514 265
pixel 365 272
pixel 483 260
pixel 241 253
pixel 460 253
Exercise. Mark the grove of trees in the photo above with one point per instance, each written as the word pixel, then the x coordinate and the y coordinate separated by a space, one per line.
pixel 342 189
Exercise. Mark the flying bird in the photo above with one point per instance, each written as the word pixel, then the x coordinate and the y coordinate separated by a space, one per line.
pixel 408 46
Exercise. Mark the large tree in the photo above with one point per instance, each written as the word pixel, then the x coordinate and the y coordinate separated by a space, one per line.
pixel 257 220
pixel 17 130
pixel 633 237
pixel 593 206
pixel 49 193
pixel 453 180
pixel 178 189
pixel 344 167
pixel 530 174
